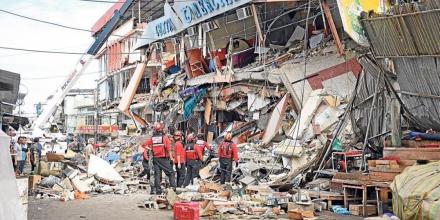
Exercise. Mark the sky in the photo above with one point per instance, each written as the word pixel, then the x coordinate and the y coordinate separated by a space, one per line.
pixel 42 73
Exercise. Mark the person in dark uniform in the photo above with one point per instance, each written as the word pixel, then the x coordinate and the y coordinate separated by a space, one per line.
pixel 145 163
pixel 227 152
pixel 160 146
pixel 179 158
pixel 35 153
pixel 193 155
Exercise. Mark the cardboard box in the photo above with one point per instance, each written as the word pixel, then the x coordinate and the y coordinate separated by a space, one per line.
pixel 302 207
pixel 358 209
pixel 34 180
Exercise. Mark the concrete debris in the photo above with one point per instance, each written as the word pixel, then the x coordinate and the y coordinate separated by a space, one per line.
pixel 296 118
pixel 103 170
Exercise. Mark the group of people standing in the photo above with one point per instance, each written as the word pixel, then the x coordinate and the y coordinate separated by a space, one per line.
pixel 25 152
pixel 182 160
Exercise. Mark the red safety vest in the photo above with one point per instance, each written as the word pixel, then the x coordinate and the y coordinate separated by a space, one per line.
pixel 201 145
pixel 190 151
pixel 159 150
pixel 225 150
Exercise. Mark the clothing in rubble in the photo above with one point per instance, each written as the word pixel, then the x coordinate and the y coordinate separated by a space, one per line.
pixel 161 148
pixel 193 162
pixel 227 152
pixel 179 156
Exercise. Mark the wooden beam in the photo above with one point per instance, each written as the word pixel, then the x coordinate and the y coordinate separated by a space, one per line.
pixel 413 153
pixel 331 23
pixel 257 25
pixel 396 135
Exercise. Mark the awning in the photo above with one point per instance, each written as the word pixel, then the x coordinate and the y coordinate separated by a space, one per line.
pixel 182 15
pixel 14 120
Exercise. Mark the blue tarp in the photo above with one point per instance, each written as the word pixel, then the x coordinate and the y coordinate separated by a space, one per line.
pixel 112 157
pixel 137 157
pixel 191 102
pixel 424 136
pixel 189 91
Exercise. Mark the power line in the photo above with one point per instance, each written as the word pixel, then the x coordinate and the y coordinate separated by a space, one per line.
pixel 64 26
pixel 46 22
pixel 41 51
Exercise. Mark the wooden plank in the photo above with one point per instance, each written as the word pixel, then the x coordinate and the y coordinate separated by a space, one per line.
pixel 357 209
pixel 328 16
pixel 382 162
pixel 413 153
pixel 415 143
pixel 207 113
pixel 406 163
pixel 382 176
pixel 396 129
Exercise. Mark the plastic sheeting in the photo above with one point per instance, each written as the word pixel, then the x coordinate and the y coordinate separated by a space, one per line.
pixel 190 103
pixel 416 192
pixel 102 169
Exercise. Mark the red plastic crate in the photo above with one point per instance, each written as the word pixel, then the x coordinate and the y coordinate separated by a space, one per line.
pixel 186 211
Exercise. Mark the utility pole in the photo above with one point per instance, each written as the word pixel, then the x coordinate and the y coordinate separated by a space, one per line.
pixel 96 116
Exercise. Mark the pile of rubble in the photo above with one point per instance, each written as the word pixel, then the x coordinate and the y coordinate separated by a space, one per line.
pixel 112 170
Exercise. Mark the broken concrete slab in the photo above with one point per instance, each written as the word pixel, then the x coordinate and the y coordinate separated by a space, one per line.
pixel 306 115
pixel 274 123
pixel 80 185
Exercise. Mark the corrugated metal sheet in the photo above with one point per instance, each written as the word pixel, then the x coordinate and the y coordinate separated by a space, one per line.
pixel 363 101
pixel 419 80
pixel 412 34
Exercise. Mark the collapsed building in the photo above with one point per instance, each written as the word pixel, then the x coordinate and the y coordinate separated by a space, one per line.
pixel 309 106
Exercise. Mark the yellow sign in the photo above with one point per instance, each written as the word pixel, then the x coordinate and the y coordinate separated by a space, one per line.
pixel 350 11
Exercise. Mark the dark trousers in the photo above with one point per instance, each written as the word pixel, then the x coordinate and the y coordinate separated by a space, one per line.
pixel 225 170
pixel 146 171
pixel 162 164
pixel 33 165
pixel 180 174
pixel 192 171
pixel 20 164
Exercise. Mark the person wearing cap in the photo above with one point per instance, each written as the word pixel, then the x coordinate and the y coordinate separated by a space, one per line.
pixel 193 155
pixel 160 145
pixel 179 158
pixel 227 152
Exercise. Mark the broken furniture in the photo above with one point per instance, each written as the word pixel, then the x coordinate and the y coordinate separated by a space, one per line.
pixel 330 197
pixel 364 189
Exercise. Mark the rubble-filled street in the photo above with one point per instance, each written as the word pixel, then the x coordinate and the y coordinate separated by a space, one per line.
pixel 220 109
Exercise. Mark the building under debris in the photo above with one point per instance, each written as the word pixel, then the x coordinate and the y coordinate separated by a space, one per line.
pixel 332 103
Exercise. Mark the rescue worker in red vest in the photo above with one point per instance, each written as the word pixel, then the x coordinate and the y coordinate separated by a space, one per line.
pixel 227 152
pixel 145 163
pixel 179 158
pixel 193 158
pixel 160 145
pixel 202 144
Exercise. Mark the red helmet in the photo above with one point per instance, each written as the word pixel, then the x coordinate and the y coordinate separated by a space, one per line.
pixel 190 137
pixel 228 136
pixel 157 126
pixel 178 135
